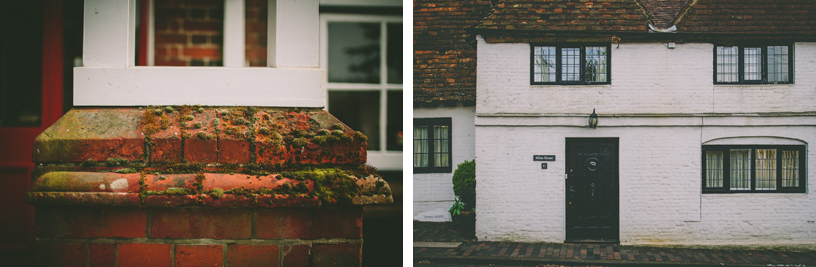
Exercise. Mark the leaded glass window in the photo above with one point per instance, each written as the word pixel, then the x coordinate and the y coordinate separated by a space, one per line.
pixel 569 64
pixel 753 168
pixel 753 64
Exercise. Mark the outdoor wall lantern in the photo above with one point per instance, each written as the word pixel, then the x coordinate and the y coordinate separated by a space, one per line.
pixel 593 119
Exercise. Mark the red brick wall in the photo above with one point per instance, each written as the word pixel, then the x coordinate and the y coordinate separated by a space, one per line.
pixel 74 236
pixel 256 22
pixel 191 32
pixel 188 32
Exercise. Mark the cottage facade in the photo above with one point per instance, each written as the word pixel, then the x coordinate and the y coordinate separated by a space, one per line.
pixel 705 115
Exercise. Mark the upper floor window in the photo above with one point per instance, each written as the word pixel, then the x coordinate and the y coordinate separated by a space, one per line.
pixel 754 168
pixel 753 64
pixel 569 64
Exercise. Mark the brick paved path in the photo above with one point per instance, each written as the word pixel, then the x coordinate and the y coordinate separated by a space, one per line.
pixel 590 253
pixel 439 232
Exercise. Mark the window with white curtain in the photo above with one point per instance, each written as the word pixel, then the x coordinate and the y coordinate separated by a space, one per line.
pixel 753 168
pixel 432 145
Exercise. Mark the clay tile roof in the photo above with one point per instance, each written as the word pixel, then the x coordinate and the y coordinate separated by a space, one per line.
pixel 444 62
pixel 572 16
pixel 664 11
pixel 750 17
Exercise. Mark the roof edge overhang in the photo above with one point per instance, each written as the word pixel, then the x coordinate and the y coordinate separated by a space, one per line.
pixel 521 36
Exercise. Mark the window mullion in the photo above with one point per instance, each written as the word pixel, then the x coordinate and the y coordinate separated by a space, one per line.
pixel 779 152
pixel 752 173
pixel 558 64
pixel 741 64
pixel 431 153
pixel 581 69
pixel 727 170
pixel 764 64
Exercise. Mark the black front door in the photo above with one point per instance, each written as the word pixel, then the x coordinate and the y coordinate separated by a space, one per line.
pixel 592 189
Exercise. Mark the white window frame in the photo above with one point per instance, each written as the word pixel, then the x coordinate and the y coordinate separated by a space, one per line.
pixel 381 159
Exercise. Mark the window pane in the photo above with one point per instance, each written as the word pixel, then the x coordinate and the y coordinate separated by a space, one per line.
pixel 360 110
pixel 394 52
pixel 544 64
pixel 595 64
pixel 727 64
pixel 714 169
pixel 441 152
pixel 765 169
pixel 752 62
pixel 354 53
pixel 393 139
pixel 778 64
pixel 420 146
pixel 790 168
pixel 570 64
pixel 740 169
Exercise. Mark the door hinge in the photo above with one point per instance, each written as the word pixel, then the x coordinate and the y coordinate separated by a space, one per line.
pixel 566 176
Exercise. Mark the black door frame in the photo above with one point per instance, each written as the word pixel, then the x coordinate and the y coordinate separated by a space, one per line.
pixel 570 143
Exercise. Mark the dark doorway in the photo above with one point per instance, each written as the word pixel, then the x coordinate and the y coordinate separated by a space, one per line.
pixel 592 190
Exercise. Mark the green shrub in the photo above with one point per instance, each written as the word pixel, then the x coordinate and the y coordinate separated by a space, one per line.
pixel 464 183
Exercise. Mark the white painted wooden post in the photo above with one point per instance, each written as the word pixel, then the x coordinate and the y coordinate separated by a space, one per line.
pixel 109 77
pixel 293 31
pixel 234 41
pixel 109 33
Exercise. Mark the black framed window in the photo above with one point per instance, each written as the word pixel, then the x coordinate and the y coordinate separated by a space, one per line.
pixel 754 169
pixel 569 64
pixel 432 145
pixel 753 64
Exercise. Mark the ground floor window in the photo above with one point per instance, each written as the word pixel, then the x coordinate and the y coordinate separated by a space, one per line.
pixel 432 145
pixel 754 168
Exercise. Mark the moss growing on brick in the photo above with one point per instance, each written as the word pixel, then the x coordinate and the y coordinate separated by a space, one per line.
pixel 114 162
pixel 360 136
pixel 126 170
pixel 300 142
pixel 337 126
pixel 337 132
pixel 216 193
pixel 168 109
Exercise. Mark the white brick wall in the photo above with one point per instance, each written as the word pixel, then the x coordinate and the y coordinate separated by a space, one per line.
pixel 657 96
pixel 646 78
pixel 435 190
pixel 660 195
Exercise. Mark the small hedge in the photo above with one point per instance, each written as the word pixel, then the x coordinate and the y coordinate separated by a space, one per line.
pixel 464 183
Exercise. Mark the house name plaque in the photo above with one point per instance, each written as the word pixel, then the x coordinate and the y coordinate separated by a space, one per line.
pixel 543 157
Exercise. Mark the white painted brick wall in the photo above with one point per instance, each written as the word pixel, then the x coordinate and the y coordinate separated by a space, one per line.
pixel 435 190
pixel 660 159
pixel 646 78
pixel 660 195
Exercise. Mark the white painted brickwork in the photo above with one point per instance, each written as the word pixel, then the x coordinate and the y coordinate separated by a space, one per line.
pixel 660 156
pixel 646 78
pixel 435 190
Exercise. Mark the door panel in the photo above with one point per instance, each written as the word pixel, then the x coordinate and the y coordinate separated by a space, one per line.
pixel 592 190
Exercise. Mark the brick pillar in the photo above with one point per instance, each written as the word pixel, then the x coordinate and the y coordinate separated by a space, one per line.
pixel 201 186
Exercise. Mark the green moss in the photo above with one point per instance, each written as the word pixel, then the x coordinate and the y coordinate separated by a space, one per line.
pixel 276 136
pixel 126 170
pixel 198 125
pixel 300 142
pixel 299 133
pixel 263 131
pixel 240 120
pixel 202 135
pixel 113 162
pixel 200 110
pixel 360 136
pixel 168 109
pixel 319 140
pixel 337 133
pixel 337 126
pixel 323 132
pixel 188 118
pixel 88 163
pixel 216 193
pixel 158 111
